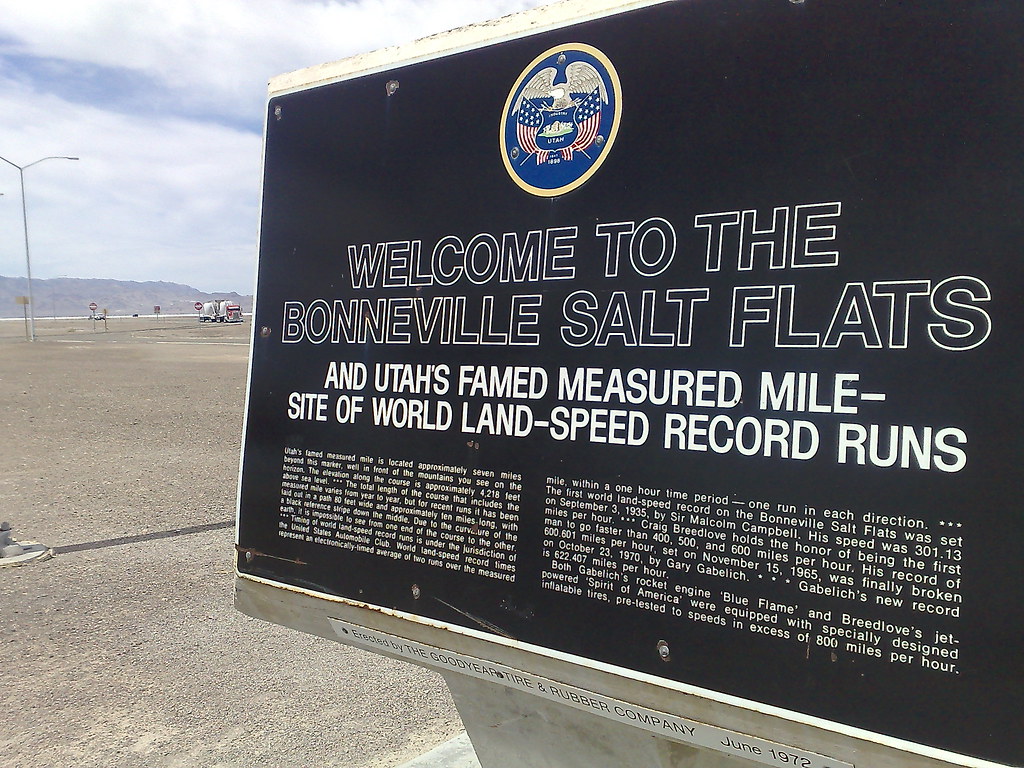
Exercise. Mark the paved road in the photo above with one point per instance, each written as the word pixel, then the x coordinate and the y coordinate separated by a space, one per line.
pixel 120 450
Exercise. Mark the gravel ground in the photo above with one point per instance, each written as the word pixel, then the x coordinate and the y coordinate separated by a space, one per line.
pixel 120 450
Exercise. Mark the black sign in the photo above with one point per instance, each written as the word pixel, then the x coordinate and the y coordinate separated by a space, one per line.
pixel 685 340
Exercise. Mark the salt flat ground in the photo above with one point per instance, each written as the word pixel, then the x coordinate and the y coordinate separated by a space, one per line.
pixel 120 450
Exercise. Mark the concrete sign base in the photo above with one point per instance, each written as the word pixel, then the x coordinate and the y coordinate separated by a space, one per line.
pixel 545 721
pixel 508 727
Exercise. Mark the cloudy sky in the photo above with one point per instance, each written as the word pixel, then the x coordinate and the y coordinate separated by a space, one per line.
pixel 162 101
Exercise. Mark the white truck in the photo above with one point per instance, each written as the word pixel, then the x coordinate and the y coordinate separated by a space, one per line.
pixel 220 311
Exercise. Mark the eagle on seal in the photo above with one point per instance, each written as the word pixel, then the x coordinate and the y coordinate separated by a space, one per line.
pixel 560 117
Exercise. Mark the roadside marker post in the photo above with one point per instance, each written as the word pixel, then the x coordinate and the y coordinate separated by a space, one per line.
pixel 23 301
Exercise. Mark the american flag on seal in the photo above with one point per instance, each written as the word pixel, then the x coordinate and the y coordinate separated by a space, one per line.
pixel 528 125
pixel 588 120
pixel 583 87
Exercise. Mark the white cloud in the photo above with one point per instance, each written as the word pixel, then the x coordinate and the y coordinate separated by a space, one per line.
pixel 219 54
pixel 162 100
pixel 150 199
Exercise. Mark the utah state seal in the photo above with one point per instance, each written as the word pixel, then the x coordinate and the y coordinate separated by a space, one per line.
pixel 560 119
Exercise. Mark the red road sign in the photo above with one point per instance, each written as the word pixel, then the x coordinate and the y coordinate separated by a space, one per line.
pixel 198 305
pixel 93 306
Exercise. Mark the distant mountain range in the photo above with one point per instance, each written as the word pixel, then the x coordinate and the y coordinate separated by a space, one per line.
pixel 71 296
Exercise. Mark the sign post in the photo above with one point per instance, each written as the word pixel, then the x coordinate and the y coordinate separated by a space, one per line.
pixel 24 301
pixel 658 381
pixel 93 306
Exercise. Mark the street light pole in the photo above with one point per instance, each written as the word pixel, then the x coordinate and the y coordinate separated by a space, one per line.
pixel 24 220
